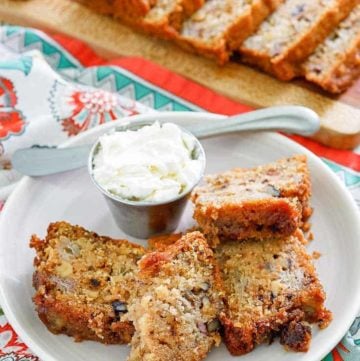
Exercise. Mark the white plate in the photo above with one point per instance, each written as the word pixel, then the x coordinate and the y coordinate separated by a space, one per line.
pixel 72 197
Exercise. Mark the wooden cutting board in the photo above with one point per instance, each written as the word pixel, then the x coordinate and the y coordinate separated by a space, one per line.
pixel 340 116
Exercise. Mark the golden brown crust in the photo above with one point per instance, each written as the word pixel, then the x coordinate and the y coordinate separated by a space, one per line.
pixel 275 277
pixel 343 74
pixel 262 202
pixel 272 290
pixel 79 320
pixel 177 308
pixel 83 282
pixel 287 64
pixel 160 243
pixel 191 242
pixel 223 45
pixel 254 219
pixel 121 8
pixel 335 64
pixel 166 24
pixel 139 14
pixel 162 19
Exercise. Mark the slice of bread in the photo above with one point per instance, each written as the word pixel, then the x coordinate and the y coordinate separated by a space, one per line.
pixel 162 18
pixel 292 33
pixel 84 283
pixel 271 290
pixel 219 27
pixel 335 64
pixel 176 313
pixel 262 202
pixel 166 17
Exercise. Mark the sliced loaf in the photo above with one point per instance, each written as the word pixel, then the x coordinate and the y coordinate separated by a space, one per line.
pixel 220 26
pixel 166 17
pixel 292 33
pixel 176 312
pixel 271 290
pixel 84 283
pixel 335 64
pixel 262 202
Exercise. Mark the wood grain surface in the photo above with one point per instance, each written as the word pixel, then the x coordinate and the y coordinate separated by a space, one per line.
pixel 340 116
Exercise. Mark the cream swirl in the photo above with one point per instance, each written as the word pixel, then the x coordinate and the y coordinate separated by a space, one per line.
pixel 154 163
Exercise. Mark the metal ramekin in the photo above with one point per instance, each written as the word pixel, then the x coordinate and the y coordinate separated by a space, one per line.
pixel 146 219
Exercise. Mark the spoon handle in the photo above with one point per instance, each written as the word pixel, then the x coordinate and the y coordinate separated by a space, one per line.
pixel 46 161
pixel 291 119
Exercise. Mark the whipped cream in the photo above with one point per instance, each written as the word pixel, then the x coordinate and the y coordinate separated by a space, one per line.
pixel 153 163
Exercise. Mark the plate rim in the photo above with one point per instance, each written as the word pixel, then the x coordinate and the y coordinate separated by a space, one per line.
pixel 334 338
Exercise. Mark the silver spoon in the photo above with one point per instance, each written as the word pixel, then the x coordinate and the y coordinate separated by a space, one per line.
pixel 291 119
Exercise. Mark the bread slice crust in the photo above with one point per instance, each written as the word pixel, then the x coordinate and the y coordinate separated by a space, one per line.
pixel 286 63
pixel 223 41
pixel 343 66
pixel 176 312
pixel 271 290
pixel 261 202
pixel 167 17
pixel 84 283
pixel 122 8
